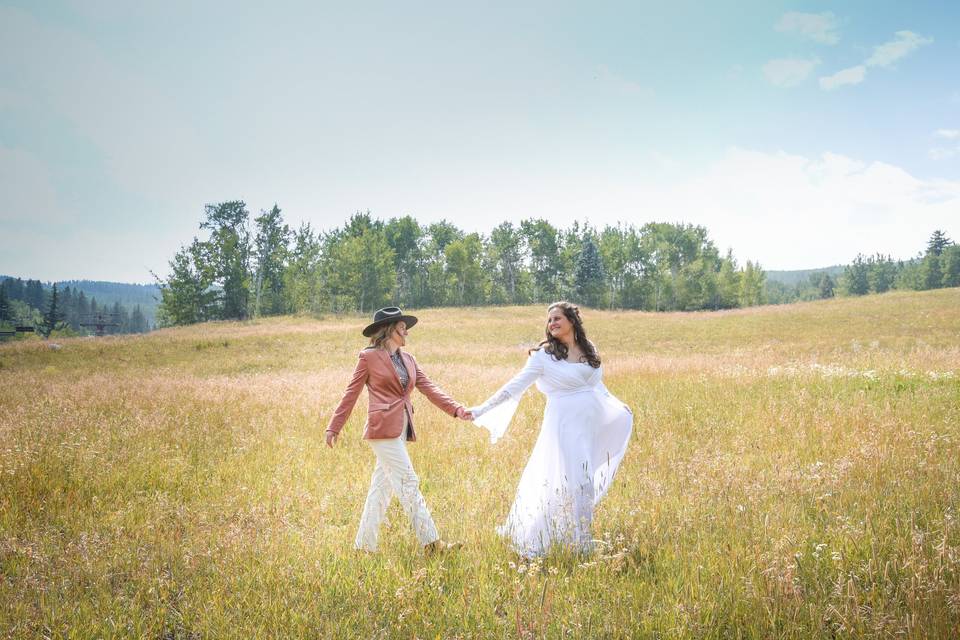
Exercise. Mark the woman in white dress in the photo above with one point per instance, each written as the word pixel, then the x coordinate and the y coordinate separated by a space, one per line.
pixel 582 440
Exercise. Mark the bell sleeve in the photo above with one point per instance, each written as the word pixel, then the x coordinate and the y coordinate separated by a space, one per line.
pixel 496 413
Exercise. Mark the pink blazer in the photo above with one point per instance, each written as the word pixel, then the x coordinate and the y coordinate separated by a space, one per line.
pixel 388 400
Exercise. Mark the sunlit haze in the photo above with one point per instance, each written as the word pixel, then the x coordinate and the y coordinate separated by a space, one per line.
pixel 799 134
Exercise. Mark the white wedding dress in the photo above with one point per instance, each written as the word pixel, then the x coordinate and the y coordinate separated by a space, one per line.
pixel 582 440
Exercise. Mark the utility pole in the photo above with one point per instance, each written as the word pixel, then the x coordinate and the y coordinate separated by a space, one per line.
pixel 100 322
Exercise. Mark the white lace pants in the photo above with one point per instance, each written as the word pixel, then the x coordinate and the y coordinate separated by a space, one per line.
pixel 394 475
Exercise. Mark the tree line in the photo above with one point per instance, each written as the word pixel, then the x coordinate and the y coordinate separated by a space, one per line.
pixel 936 267
pixel 68 311
pixel 242 268
pixel 239 270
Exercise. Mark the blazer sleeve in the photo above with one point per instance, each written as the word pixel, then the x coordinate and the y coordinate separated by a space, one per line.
pixel 434 393
pixel 342 412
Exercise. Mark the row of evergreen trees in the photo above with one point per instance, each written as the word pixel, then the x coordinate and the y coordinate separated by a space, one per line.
pixel 29 302
pixel 936 267
pixel 236 272
pixel 30 292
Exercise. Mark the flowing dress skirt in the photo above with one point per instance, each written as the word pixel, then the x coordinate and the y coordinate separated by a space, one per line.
pixel 581 443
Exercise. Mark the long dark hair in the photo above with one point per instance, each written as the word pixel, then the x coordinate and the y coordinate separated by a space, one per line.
pixel 557 349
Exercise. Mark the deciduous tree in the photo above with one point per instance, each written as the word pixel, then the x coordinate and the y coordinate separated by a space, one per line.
pixel 951 266
pixel 270 243
pixel 856 277
pixel 225 256
pixel 187 295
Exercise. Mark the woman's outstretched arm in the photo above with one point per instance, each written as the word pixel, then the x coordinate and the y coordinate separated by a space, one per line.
pixel 436 395
pixel 515 387
pixel 497 411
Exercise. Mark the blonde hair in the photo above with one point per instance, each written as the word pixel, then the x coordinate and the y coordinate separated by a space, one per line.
pixel 384 332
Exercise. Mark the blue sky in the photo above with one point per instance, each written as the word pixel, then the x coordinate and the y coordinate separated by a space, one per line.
pixel 797 133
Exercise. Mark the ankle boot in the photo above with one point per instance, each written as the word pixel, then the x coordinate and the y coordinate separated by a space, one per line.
pixel 440 546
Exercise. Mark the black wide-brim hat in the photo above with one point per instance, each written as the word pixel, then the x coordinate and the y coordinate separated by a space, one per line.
pixel 386 316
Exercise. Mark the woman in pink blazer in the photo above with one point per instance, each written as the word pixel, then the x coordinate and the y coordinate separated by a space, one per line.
pixel 390 376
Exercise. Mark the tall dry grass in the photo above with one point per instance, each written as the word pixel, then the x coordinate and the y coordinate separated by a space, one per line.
pixel 794 472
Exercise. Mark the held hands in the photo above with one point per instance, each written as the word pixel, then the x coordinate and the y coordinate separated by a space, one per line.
pixel 463 414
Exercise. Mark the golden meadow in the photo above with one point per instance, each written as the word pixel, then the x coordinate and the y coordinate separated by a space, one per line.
pixel 794 472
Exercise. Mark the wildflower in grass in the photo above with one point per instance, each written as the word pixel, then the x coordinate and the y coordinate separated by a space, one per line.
pixel 212 467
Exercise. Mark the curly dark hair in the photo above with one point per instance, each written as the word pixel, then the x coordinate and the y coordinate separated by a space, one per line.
pixel 557 349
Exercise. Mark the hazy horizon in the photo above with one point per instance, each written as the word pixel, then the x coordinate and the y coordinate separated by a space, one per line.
pixel 154 283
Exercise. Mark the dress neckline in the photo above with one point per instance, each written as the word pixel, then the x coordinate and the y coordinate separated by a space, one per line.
pixel 563 360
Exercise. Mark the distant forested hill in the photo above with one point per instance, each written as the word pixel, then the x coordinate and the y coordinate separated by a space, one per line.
pixel 128 295
pixel 115 291
pixel 33 298
pixel 803 275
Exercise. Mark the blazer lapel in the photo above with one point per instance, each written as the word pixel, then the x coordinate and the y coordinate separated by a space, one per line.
pixel 411 371
pixel 387 362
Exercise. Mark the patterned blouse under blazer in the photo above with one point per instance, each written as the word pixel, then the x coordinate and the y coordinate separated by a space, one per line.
pixel 389 399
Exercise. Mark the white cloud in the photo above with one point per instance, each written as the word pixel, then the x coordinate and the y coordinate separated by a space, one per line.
pixel 775 207
pixel 904 42
pixel 949 134
pixel 939 153
pixel 786 211
pixel 853 75
pixel 884 55
pixel 788 72
pixel 819 27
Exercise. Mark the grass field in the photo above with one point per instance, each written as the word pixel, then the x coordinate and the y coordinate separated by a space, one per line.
pixel 794 472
